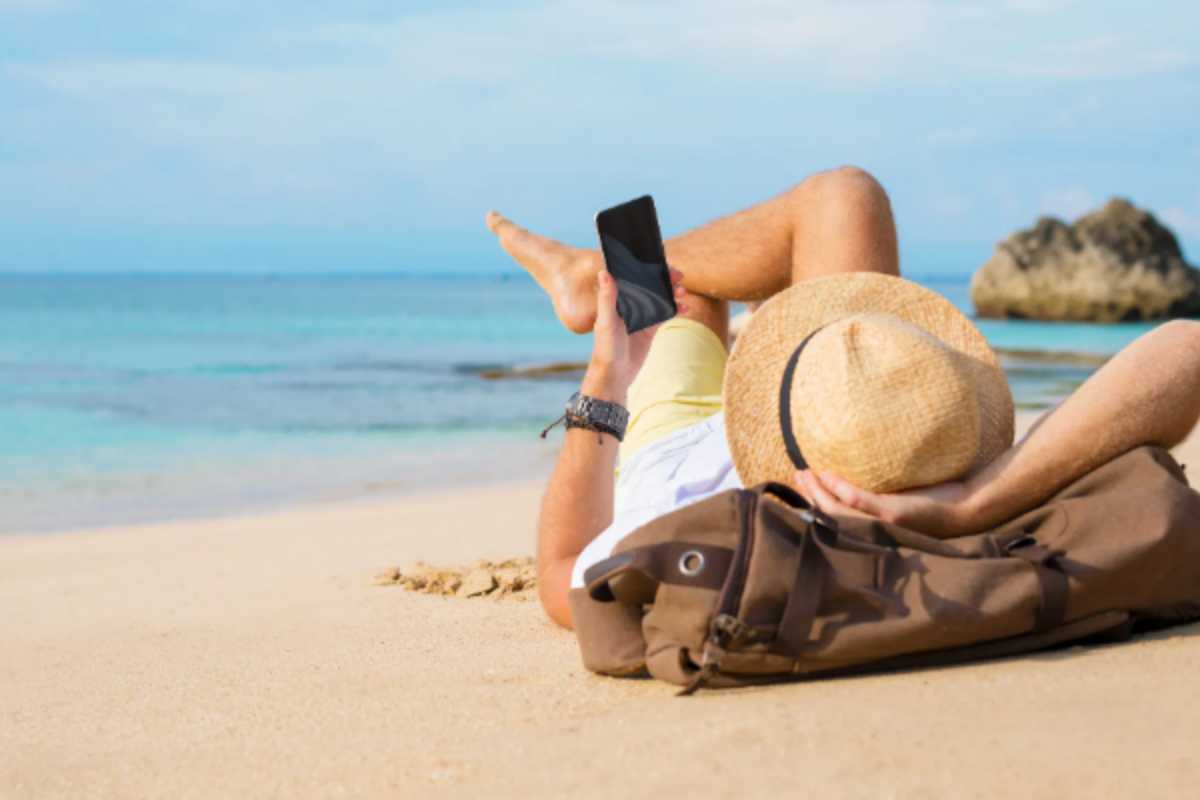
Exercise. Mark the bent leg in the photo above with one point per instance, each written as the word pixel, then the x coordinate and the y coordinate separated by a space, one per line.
pixel 835 221
pixel 831 222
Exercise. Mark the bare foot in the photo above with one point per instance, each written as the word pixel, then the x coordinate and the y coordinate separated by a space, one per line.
pixel 567 274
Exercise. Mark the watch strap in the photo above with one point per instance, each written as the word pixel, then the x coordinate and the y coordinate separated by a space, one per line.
pixel 592 413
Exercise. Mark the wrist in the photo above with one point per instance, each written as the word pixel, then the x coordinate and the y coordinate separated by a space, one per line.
pixel 595 414
pixel 603 383
pixel 978 508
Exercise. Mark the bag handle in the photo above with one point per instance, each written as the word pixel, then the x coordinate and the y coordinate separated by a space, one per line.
pixel 632 577
pixel 787 494
pixel 804 599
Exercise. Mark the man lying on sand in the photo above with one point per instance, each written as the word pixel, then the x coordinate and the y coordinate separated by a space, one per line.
pixel 670 378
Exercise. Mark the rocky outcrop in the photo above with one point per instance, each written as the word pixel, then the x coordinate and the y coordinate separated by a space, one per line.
pixel 1116 264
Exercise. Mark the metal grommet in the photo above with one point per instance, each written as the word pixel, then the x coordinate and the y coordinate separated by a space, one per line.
pixel 691 563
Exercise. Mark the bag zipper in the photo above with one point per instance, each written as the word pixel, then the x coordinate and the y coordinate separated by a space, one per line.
pixel 725 627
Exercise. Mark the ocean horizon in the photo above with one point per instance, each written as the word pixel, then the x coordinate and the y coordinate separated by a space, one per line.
pixel 138 397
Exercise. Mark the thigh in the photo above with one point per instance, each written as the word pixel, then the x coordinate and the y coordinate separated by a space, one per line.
pixel 745 256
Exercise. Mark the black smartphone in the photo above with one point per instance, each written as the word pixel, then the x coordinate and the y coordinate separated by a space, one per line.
pixel 633 252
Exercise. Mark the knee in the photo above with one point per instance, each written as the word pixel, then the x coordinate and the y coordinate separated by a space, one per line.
pixel 1183 333
pixel 1175 343
pixel 845 184
pixel 846 174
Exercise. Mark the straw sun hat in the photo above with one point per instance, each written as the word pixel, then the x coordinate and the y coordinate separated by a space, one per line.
pixel 867 376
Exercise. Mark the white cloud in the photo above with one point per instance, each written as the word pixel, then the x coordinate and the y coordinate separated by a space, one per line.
pixel 1105 57
pixel 780 45
pixel 1075 112
pixel 25 5
pixel 442 98
pixel 1067 202
pixel 820 43
pixel 105 79
pixel 1039 7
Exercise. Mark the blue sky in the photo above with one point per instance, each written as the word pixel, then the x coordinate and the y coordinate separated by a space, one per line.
pixel 360 136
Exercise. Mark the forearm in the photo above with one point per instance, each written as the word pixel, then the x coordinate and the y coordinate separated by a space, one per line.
pixel 578 503
pixel 1147 394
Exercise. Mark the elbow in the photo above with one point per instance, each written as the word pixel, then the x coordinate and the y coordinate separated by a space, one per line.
pixel 557 609
pixel 554 586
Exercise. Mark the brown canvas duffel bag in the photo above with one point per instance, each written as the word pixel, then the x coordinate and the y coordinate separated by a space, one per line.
pixel 752 584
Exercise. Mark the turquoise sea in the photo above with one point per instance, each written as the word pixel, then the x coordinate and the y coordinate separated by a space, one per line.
pixel 134 397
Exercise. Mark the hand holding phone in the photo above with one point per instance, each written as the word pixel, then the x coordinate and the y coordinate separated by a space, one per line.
pixel 631 242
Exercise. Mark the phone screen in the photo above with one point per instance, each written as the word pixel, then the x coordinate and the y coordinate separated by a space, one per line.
pixel 633 252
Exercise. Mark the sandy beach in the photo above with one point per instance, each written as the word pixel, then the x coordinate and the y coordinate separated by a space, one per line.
pixel 254 656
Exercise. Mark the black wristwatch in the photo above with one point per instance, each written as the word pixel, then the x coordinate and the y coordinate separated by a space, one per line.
pixel 593 414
